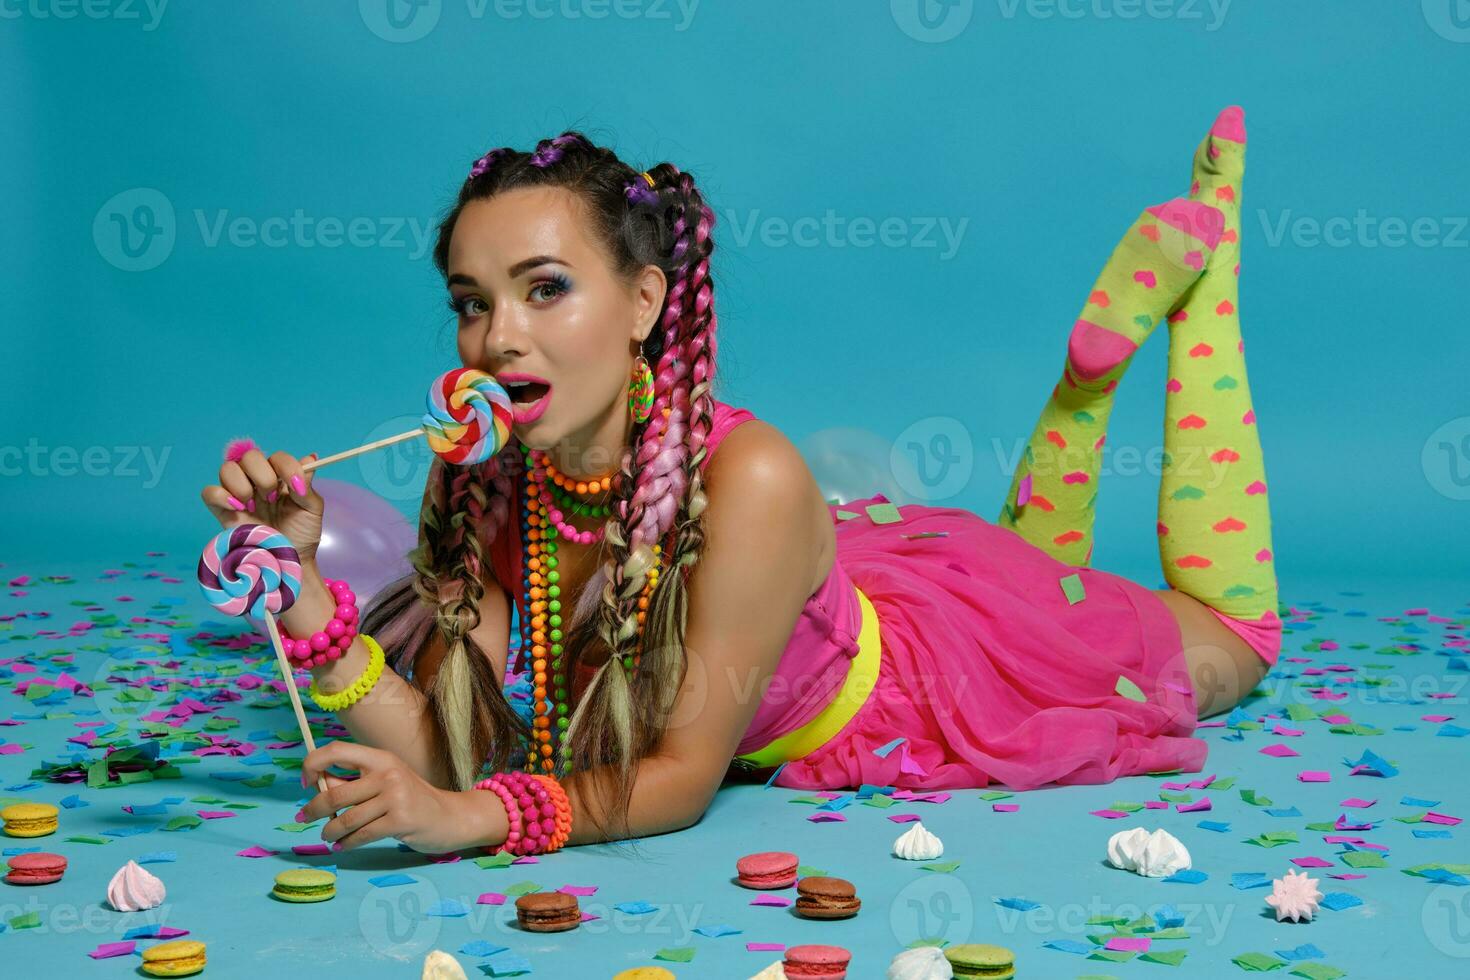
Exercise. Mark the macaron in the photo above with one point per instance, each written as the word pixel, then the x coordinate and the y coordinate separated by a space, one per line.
pixel 816 961
pixel 305 885
pixel 29 819
pixel 981 960
pixel 548 912
pixel 821 897
pixel 767 869
pixel 36 868
pixel 646 973
pixel 178 958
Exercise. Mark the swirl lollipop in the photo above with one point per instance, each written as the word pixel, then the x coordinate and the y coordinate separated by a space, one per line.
pixel 468 421
pixel 253 568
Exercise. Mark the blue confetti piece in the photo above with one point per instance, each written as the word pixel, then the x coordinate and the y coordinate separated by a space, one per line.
pixel 144 932
pixel 1375 763
pixel 1249 879
pixel 507 964
pixel 231 777
pixel 1338 901
pixel 158 857
pixel 1218 826
pixel 21 787
pixel 73 802
pixel 1444 877
pixel 772 778
pixel 1284 812
pixel 1432 834
pixel 715 932
pixel 127 831
pixel 1453 731
pixel 149 809
pixel 1019 904
pixel 1414 801
pixel 1189 876
pixel 1168 917
pixel 883 750
pixel 635 908
pixel 13 851
pixel 388 881
pixel 1306 951
pixel 173 800
pixel 447 908
pixel 1069 946
pixel 837 803
pixel 480 947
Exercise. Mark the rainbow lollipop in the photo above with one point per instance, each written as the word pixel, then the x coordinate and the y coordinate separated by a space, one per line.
pixel 253 568
pixel 468 421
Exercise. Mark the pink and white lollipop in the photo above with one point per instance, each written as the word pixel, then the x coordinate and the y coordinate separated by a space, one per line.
pixel 250 568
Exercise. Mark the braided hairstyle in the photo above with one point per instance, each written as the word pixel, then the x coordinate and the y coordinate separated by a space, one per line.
pixel 658 491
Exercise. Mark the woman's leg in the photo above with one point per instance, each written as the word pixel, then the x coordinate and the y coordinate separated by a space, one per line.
pixel 1054 490
pixel 1214 517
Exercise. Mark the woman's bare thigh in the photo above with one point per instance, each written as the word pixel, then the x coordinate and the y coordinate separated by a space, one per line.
pixel 1222 667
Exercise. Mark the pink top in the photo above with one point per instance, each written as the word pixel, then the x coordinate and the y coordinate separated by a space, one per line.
pixel 815 660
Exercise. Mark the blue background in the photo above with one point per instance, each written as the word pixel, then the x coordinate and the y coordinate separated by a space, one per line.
pixel 1045 134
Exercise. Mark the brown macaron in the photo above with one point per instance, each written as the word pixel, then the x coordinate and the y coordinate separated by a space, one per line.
pixel 548 912
pixel 821 897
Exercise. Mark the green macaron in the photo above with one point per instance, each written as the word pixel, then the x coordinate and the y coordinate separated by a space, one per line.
pixel 981 960
pixel 305 885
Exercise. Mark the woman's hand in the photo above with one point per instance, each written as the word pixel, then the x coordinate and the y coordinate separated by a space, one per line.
pixel 389 799
pixel 290 506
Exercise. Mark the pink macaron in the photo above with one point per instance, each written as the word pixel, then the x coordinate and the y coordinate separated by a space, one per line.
pixel 35 868
pixel 767 869
pixel 816 962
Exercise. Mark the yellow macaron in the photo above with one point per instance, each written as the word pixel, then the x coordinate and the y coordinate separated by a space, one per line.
pixel 645 973
pixel 29 819
pixel 178 958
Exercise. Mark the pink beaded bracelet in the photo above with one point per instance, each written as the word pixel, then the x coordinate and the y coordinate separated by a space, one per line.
pixel 530 810
pixel 332 640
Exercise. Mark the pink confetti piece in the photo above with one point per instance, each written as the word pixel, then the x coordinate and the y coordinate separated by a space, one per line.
pixel 310 849
pixel 1279 751
pixel 1288 732
pixel 216 814
pixel 1346 876
pixel 1357 803
pixel 827 817
pixel 1155 805
pixel 1108 814
pixel 1203 803
pixel 1311 862
pixel 1005 807
pixel 1133 944
pixel 1436 718
pixel 1314 776
pixel 775 900
pixel 491 898
pixel 106 950
pixel 256 851
pixel 1440 818
pixel 582 890
pixel 765 947
pixel 904 817
pixel 1341 839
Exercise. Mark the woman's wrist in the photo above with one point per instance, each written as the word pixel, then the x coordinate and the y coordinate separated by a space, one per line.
pixel 482 815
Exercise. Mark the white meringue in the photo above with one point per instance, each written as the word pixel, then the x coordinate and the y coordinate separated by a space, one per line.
pixel 920 963
pixel 917 844
pixel 772 972
pixel 1154 855
pixel 439 965
pixel 134 888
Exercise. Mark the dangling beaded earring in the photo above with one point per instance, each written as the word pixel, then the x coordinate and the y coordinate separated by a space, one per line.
pixel 640 391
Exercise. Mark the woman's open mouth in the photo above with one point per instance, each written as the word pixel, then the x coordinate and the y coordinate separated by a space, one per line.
pixel 529 400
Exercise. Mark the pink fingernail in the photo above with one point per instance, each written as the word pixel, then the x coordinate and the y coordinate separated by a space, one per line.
pixel 272 496
pixel 250 505
pixel 235 503
pixel 336 845
pixel 298 485
pixel 301 815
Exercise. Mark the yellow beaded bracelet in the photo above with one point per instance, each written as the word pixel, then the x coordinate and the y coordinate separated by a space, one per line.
pixel 359 688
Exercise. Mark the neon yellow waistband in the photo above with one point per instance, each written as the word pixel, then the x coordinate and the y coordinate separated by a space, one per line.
pixel 862 677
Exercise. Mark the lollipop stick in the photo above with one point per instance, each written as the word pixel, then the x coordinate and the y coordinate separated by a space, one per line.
pixel 348 454
pixel 295 695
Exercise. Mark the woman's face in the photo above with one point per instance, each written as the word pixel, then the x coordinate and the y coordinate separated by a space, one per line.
pixel 535 295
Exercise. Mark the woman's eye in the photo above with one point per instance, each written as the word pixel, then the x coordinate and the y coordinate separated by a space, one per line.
pixel 557 284
pixel 466 306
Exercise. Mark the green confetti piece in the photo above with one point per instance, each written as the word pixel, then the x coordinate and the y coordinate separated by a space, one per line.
pixel 296 828
pixel 1300 712
pixel 943 867
pixel 1258 962
pixel 185 821
pixel 1175 932
pixel 993 795
pixel 879 800
pixel 814 800
pixel 1169 796
pixel 522 888
pixel 1172 957
pixel 259 782
pixel 1073 589
pixel 675 954
pixel 1221 784
pixel 1129 690
pixel 846 515
pixel 806 870
pixel 501 859
pixel 86 839
pixel 1254 798
pixel 1318 971
pixel 1112 955
pixel 1364 859
pixel 27 921
pixel 884 514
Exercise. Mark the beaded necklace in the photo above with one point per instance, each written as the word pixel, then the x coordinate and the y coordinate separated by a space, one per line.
pixel 542 523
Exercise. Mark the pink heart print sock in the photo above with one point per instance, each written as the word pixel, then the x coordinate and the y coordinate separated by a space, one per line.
pixel 1053 494
pixel 1214 515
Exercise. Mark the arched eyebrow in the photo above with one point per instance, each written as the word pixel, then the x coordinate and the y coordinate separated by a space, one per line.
pixel 520 268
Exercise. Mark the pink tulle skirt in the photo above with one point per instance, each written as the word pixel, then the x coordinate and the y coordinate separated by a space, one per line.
pixel 993 676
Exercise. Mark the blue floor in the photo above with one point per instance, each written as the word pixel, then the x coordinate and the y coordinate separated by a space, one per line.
pixel 1033 880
